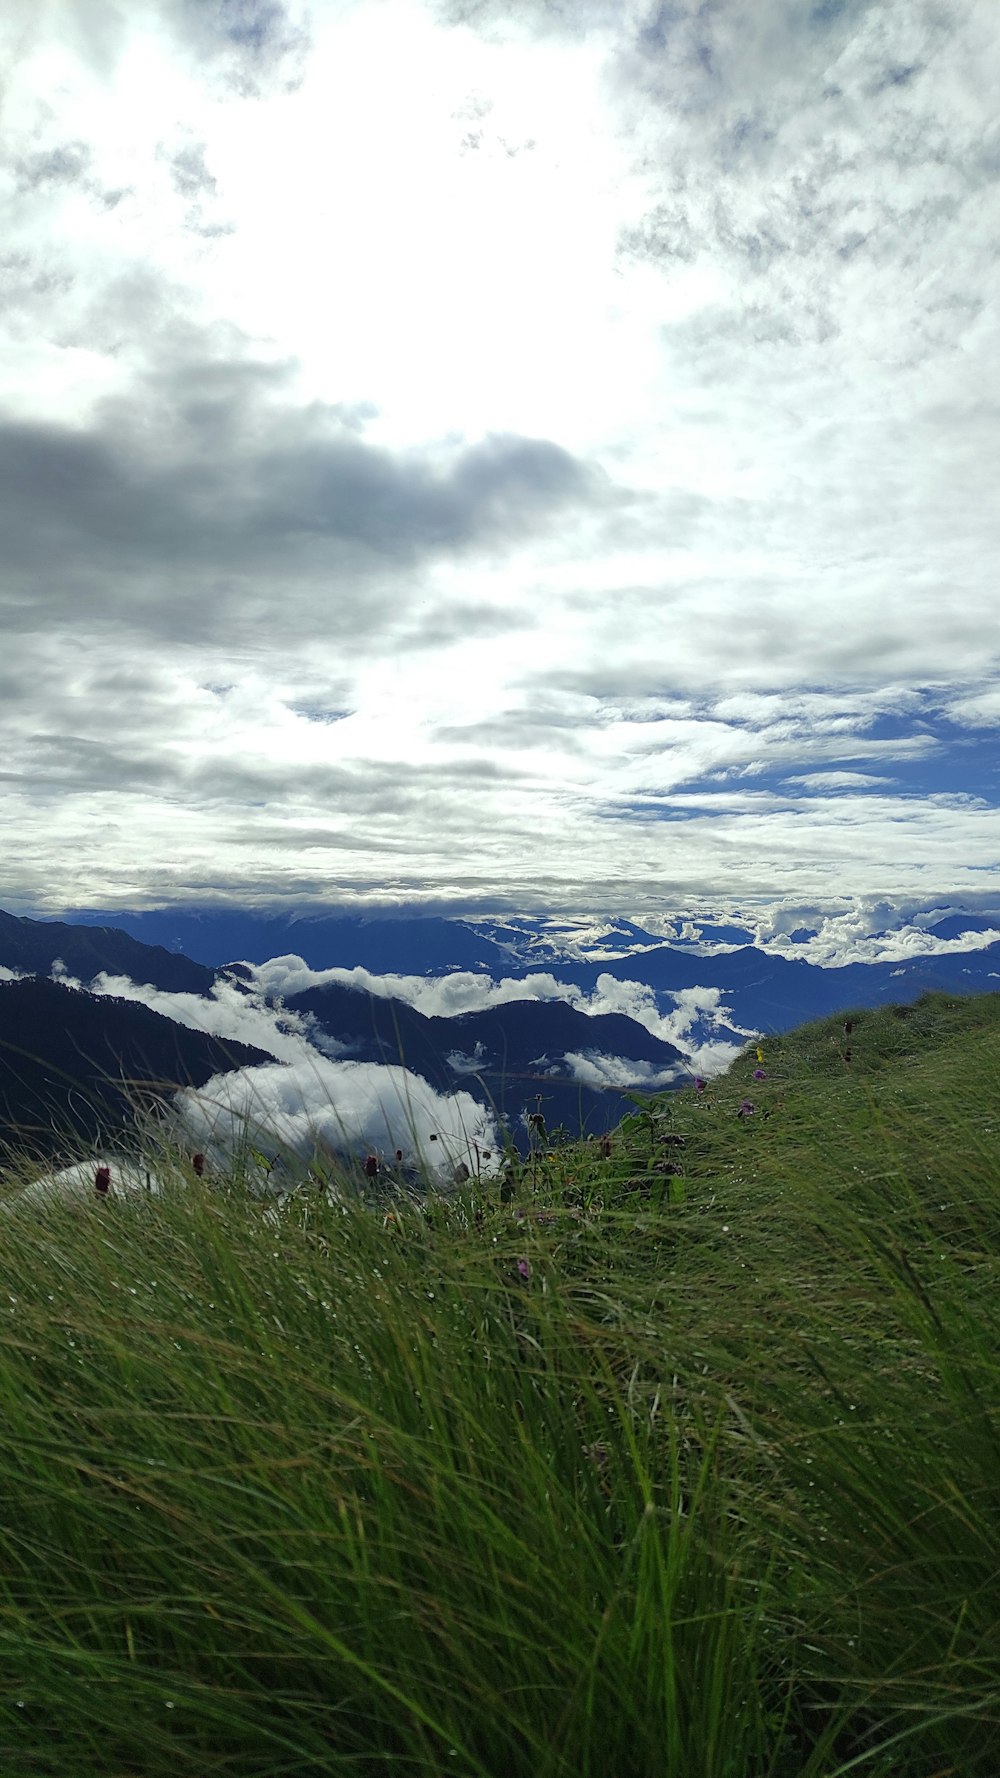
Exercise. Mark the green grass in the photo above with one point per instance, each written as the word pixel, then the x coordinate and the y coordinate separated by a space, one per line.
pixel 713 1491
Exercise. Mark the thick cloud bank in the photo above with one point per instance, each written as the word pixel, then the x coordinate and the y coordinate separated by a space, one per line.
pixel 327 1107
pixel 861 934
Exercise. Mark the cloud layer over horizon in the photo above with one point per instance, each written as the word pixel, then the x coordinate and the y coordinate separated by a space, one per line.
pixel 507 453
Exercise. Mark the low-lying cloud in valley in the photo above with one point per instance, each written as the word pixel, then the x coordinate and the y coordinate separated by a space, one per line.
pixel 336 1107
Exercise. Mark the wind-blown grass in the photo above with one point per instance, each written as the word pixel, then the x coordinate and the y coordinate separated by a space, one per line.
pixel 645 1472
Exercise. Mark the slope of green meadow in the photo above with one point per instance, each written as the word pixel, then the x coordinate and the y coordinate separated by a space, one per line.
pixel 685 1461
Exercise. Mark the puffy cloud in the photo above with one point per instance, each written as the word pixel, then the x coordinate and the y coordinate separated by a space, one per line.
pixel 460 1063
pixel 340 1106
pixel 593 1069
pixel 696 1020
pixel 863 935
pixel 225 1012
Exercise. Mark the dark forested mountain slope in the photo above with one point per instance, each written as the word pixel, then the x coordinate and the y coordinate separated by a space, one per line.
pixel 74 1064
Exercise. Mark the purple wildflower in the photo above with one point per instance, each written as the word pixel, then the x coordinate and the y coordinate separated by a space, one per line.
pixel 746 1108
pixel 759 1074
pixel 524 1268
pixel 699 1084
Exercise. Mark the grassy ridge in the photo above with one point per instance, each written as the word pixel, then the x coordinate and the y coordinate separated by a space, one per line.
pixel 648 1471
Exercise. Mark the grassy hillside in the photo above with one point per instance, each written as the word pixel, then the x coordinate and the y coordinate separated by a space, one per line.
pixel 686 1460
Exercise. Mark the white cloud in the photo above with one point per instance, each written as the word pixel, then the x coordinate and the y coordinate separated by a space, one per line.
pixel 224 1012
pixel 76 1182
pixel 460 1063
pixel 695 1024
pixel 444 996
pixel 837 780
pixel 340 1106
pixel 619 1073
pixel 642 445
pixel 980 709
pixel 876 931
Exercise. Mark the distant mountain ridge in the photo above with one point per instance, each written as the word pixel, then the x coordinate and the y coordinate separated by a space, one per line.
pixel 507 1052
pixel 32 946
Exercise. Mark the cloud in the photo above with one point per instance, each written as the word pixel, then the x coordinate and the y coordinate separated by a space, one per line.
pixel 618 1073
pixel 820 781
pixel 226 1012
pixel 64 164
pixel 76 1183
pixel 587 400
pixel 255 47
pixel 866 933
pixel 356 1107
pixel 980 709
pixel 189 171
pixel 306 1098
pixel 445 996
pixel 229 485
pixel 460 1063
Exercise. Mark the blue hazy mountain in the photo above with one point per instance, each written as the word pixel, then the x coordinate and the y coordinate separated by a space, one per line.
pixel 956 925
pixel 409 945
pixel 32 946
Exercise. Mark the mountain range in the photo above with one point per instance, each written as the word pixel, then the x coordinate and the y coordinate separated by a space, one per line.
pixel 562 1017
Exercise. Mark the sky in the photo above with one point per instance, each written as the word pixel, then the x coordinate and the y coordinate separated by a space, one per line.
pixel 470 454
